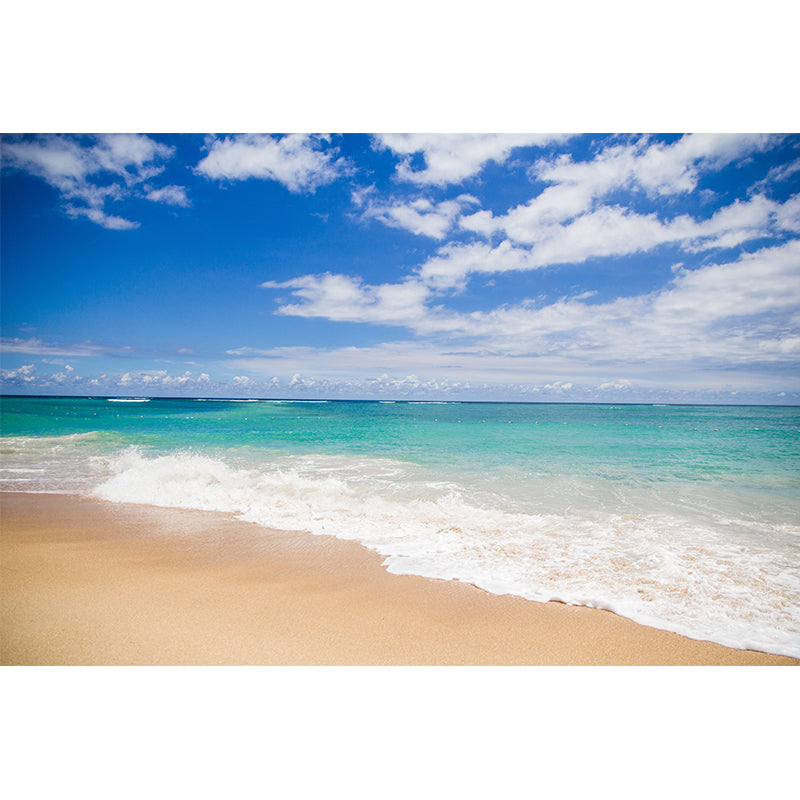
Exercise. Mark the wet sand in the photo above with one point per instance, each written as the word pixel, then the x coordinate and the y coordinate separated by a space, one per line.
pixel 91 583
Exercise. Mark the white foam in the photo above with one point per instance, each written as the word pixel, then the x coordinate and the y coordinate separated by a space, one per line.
pixel 55 463
pixel 659 569
pixel 45 441
pixel 128 399
pixel 229 400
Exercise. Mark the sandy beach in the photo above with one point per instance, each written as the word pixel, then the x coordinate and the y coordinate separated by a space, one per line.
pixel 92 583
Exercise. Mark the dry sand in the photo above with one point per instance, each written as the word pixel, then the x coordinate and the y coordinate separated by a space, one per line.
pixel 86 582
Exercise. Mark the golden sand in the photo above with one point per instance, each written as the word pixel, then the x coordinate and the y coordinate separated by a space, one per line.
pixel 87 582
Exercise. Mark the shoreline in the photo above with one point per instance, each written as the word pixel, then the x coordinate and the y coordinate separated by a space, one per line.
pixel 86 582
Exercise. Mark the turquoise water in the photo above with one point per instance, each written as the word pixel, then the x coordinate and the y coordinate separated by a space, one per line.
pixel 682 517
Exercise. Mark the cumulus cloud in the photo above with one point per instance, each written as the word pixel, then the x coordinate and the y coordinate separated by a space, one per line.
pixel 739 310
pixel 788 215
pixel 68 376
pixel 90 171
pixel 383 385
pixel 767 281
pixel 171 195
pixel 615 231
pixel 453 157
pixel 568 223
pixel 736 312
pixel 161 379
pixel 622 384
pixel 140 382
pixel 607 231
pixel 21 375
pixel 421 215
pixel 453 263
pixel 27 376
pixel 652 167
pixel 348 299
pixel 301 162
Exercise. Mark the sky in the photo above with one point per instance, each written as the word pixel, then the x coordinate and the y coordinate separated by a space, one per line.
pixel 520 267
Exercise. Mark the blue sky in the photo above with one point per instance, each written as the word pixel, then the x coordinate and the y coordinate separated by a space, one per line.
pixel 543 267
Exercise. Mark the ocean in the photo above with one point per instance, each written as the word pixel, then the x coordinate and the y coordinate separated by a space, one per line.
pixel 684 518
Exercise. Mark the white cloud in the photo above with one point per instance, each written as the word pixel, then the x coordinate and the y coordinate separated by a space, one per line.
pixel 655 167
pixel 66 161
pixel 420 216
pixel 23 374
pixel 161 379
pixel 347 299
pixel 415 366
pixel 298 160
pixel 90 171
pixel 566 223
pixel 68 376
pixel 603 232
pixel 451 265
pixel 453 157
pixel 781 172
pixel 147 382
pixel 788 215
pixel 738 312
pixel 614 231
pixel 102 219
pixel 27 376
pixel 299 382
pixel 558 386
pixel 171 195
pixel 36 346
pixel 131 155
pixel 741 311
pixel 622 384
pixel 430 369
pixel 652 167
pixel 767 281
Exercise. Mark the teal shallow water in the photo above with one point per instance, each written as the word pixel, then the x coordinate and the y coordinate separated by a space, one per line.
pixel 682 517
pixel 661 441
